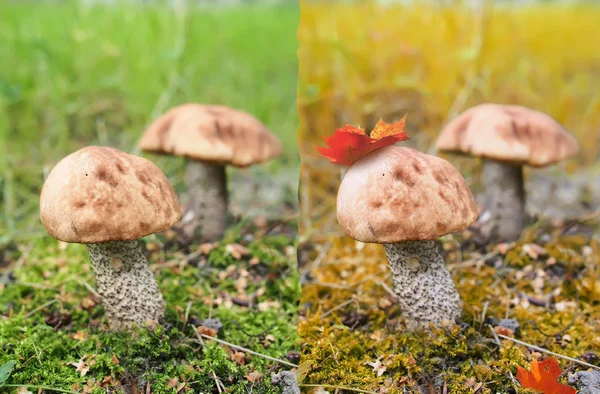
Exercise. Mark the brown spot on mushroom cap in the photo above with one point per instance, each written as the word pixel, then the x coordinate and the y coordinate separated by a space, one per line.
pixel 100 194
pixel 397 194
pixel 211 133
pixel 510 133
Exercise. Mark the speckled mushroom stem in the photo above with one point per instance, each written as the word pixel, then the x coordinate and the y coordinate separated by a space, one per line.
pixel 503 214
pixel 206 214
pixel 127 286
pixel 424 287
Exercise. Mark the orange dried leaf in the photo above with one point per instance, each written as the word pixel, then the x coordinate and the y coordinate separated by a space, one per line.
pixel 542 377
pixel 348 144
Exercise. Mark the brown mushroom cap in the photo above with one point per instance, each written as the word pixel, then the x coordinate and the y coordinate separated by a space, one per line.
pixel 100 194
pixel 511 133
pixel 211 133
pixel 397 194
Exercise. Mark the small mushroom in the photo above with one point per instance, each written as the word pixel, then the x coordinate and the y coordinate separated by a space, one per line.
pixel 405 199
pixel 506 137
pixel 108 199
pixel 209 137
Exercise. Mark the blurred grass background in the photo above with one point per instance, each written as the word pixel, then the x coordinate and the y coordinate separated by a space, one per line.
pixel 361 61
pixel 75 74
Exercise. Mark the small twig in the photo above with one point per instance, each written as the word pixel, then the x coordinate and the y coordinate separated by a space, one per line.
pixel 41 307
pixel 473 261
pixel 497 340
pixel 387 289
pixel 31 386
pixel 89 287
pixel 330 386
pixel 539 349
pixel 483 313
pixel 217 382
pixel 243 349
pixel 186 315
pixel 340 306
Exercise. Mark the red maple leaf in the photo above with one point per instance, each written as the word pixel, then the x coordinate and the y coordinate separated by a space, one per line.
pixel 348 144
pixel 542 377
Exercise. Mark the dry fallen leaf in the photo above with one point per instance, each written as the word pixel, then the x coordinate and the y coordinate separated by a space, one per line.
pixel 240 284
pixel 205 248
pixel 253 377
pixel 269 339
pixel 173 382
pixel 266 305
pixel 80 366
pixel 378 367
pixel 237 251
pixel 503 331
pixel 239 358
pixel 376 335
pixel 503 248
pixel 533 250
pixel 88 303
pixel 206 331
pixel 80 335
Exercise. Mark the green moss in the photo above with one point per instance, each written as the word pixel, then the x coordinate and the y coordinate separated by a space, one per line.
pixel 341 349
pixel 45 325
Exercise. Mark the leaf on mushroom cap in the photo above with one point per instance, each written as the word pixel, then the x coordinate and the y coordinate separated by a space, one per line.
pixel 510 133
pixel 349 144
pixel 399 194
pixel 211 133
pixel 100 194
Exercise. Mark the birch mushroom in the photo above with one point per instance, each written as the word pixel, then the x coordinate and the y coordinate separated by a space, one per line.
pixel 406 199
pixel 507 138
pixel 210 137
pixel 108 199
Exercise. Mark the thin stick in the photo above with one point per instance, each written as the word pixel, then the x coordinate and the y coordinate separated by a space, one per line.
pixel 330 386
pixel 248 351
pixel 473 261
pixel 187 314
pixel 340 306
pixel 41 307
pixel 31 386
pixel 539 349
pixel 217 382
pixel 90 288
pixel 387 289
pixel 497 340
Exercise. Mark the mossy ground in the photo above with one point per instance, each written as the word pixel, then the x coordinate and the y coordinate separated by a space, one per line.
pixel 50 320
pixel 350 317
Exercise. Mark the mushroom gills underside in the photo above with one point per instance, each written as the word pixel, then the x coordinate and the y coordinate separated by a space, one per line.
pixel 422 282
pixel 127 287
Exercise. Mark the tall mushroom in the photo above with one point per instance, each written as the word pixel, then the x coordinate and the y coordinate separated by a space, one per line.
pixel 108 199
pixel 209 137
pixel 506 137
pixel 406 199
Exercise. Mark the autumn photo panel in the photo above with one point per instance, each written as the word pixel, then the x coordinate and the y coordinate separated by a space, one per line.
pixel 449 197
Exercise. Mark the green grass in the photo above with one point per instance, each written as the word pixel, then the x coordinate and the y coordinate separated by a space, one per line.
pixel 74 75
